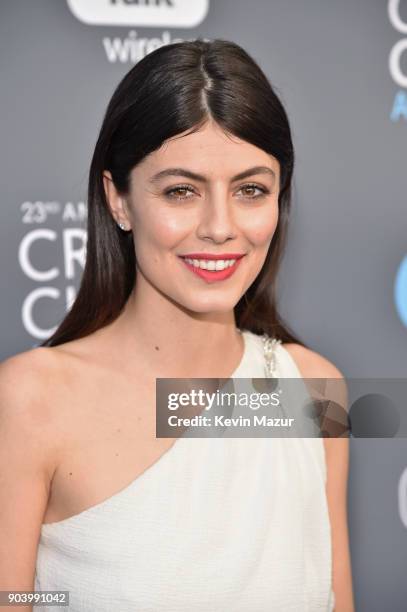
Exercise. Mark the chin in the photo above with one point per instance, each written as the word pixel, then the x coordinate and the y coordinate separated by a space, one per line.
pixel 209 307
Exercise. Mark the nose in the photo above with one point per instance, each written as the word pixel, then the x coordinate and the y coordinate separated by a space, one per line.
pixel 217 219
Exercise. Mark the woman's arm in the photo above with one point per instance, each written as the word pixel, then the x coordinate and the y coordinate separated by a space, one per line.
pixel 337 453
pixel 313 365
pixel 26 468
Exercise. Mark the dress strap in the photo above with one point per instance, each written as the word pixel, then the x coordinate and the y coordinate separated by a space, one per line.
pixel 269 345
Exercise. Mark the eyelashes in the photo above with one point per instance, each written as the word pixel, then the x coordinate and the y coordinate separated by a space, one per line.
pixel 172 193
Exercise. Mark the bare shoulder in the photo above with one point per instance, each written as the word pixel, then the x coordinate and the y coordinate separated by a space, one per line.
pixel 24 376
pixel 312 364
pixel 41 374
pixel 29 373
pixel 29 387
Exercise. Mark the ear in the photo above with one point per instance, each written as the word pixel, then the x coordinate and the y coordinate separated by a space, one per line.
pixel 116 202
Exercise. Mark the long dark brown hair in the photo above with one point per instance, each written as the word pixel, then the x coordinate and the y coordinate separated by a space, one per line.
pixel 176 88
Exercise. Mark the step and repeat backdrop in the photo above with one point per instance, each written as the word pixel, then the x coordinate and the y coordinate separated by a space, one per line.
pixel 340 68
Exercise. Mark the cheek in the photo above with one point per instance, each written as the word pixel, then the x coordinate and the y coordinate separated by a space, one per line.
pixel 161 230
pixel 259 229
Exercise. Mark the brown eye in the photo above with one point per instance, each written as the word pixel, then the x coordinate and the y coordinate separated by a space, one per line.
pixel 179 192
pixel 250 189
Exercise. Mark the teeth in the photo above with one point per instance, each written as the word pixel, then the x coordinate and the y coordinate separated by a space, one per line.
pixel 211 264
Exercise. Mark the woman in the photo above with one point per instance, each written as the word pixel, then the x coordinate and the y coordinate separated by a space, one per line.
pixel 188 202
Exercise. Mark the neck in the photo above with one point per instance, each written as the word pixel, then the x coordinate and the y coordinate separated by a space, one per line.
pixel 171 341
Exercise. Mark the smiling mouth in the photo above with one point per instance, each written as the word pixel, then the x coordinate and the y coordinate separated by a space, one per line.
pixel 210 264
pixel 212 261
pixel 212 269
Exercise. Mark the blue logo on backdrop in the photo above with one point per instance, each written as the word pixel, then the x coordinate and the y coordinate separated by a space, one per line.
pixel 400 291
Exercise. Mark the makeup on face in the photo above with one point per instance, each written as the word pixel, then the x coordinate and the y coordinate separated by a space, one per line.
pixel 204 209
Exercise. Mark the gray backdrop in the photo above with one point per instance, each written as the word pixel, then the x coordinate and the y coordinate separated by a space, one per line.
pixel 340 67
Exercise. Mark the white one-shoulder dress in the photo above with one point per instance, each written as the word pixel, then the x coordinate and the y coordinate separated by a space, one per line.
pixel 215 525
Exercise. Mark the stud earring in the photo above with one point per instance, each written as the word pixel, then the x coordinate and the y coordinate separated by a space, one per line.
pixel 121 225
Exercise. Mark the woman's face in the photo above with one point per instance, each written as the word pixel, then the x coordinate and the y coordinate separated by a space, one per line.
pixel 186 199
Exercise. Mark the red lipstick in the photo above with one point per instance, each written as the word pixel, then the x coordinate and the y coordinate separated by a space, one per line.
pixel 213 256
pixel 212 275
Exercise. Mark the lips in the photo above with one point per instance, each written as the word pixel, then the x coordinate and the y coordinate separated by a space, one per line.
pixel 212 256
pixel 211 276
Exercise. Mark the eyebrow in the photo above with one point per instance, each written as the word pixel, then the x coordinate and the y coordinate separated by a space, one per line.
pixel 199 177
